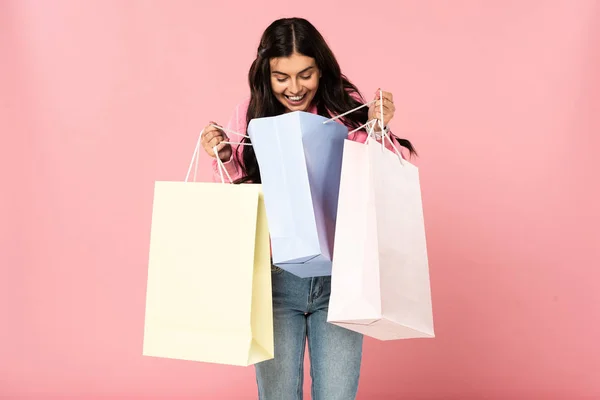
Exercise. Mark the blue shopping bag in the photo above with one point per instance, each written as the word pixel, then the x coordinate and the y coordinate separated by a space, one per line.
pixel 300 161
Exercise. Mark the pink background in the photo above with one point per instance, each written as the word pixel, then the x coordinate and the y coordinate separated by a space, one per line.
pixel 100 99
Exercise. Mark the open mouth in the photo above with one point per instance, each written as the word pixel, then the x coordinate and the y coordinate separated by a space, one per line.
pixel 295 99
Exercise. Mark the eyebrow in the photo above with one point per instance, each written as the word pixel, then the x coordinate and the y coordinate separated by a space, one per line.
pixel 301 72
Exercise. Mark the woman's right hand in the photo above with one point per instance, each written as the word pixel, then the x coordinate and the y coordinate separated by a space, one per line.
pixel 212 137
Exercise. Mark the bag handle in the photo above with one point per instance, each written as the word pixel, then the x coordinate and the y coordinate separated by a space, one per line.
pixel 194 158
pixel 349 112
pixel 220 165
pixel 385 136
pixel 371 122
pixel 370 125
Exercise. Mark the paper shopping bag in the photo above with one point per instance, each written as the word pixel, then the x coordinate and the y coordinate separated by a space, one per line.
pixel 380 275
pixel 209 275
pixel 300 161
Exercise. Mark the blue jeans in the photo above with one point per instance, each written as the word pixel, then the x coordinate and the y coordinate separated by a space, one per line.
pixel 300 313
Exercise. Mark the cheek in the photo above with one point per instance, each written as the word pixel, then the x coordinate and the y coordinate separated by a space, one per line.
pixel 277 87
pixel 312 84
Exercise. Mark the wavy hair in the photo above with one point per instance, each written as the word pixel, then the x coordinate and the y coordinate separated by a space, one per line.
pixel 335 95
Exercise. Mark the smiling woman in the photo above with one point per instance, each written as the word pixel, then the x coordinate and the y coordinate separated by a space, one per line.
pixel 295 70
pixel 295 80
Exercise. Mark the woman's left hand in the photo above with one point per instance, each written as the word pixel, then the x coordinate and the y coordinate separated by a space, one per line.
pixel 388 108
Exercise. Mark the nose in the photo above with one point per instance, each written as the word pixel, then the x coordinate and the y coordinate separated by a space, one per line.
pixel 294 87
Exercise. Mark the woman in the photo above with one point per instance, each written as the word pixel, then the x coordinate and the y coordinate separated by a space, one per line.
pixel 296 71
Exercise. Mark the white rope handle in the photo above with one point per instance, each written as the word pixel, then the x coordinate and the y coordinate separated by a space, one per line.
pixel 381 117
pixel 229 131
pixel 371 130
pixel 385 134
pixel 238 143
pixel 360 127
pixel 371 133
pixel 220 165
pixel 194 157
pixel 395 150
pixel 348 112
pixel 358 108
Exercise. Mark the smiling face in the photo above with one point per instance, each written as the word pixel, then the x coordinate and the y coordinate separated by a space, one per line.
pixel 294 81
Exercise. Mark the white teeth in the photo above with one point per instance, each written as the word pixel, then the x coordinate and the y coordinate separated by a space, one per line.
pixel 295 98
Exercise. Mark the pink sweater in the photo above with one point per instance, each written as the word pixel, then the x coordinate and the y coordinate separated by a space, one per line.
pixel 237 123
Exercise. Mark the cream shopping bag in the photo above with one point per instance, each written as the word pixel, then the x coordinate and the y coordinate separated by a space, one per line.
pixel 209 293
pixel 380 276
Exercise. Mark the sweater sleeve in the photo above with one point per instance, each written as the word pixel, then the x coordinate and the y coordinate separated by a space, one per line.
pixel 237 123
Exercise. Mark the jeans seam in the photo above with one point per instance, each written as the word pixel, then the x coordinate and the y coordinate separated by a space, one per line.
pixel 310 352
pixel 318 289
pixel 310 298
pixel 301 367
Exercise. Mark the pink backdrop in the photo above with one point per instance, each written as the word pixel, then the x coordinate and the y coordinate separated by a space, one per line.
pixel 100 99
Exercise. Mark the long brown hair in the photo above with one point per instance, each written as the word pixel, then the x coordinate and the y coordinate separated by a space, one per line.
pixel 335 95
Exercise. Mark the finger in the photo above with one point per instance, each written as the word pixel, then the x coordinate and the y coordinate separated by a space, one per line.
pixel 209 144
pixel 218 147
pixel 386 111
pixel 217 129
pixel 211 127
pixel 214 142
pixel 390 107
pixel 221 146
pixel 207 137
pixel 214 134
pixel 387 106
pixel 386 95
pixel 386 116
pixel 208 133
pixel 377 94
pixel 387 103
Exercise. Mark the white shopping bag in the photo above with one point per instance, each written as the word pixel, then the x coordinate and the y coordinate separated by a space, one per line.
pixel 380 276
